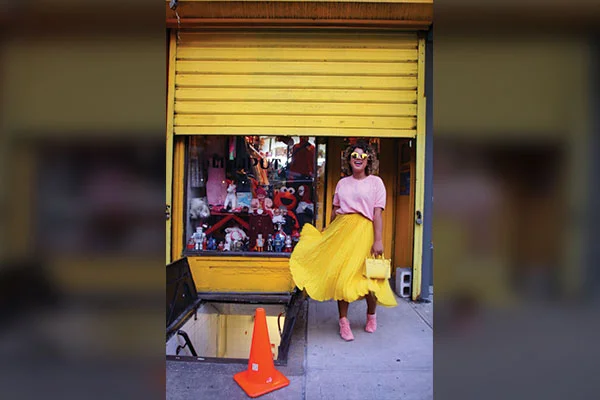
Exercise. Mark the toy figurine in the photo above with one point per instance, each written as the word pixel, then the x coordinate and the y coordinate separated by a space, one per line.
pixel 231 198
pixel 198 238
pixel 279 240
pixel 221 246
pixel 238 246
pixel 288 244
pixel 270 243
pixel 190 244
pixel 260 242
pixel 212 244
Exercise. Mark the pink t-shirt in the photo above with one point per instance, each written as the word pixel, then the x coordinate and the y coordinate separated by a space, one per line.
pixel 359 195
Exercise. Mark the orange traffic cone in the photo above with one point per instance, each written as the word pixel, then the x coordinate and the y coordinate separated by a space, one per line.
pixel 261 377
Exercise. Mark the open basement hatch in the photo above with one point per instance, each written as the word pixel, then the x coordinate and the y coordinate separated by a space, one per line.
pixel 217 327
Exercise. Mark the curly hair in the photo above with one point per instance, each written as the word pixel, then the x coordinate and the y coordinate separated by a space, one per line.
pixel 372 161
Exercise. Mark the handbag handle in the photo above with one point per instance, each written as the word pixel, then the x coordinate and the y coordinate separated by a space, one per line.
pixel 380 257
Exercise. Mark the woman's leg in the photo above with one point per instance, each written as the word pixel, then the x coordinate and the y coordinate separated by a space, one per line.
pixel 343 308
pixel 371 325
pixel 371 303
pixel 345 331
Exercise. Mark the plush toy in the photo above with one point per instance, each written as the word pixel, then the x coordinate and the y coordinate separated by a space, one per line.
pixel 199 208
pixel 304 201
pixel 285 197
pixel 255 207
pixel 231 198
pixel 268 206
pixel 306 209
pixel 234 235
pixel 260 194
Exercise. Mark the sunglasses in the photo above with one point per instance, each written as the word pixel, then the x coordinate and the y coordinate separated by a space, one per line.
pixel 357 156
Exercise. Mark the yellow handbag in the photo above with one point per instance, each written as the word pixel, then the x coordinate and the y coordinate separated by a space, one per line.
pixel 378 268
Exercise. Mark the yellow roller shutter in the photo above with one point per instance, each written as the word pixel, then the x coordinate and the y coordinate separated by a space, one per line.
pixel 290 83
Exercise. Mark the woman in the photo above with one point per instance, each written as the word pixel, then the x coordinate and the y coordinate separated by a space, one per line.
pixel 330 265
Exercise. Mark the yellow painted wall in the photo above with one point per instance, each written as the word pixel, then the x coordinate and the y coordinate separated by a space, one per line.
pixel 241 274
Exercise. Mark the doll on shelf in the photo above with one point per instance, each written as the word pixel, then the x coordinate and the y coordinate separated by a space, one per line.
pixel 279 240
pixel 256 207
pixel 199 238
pixel 270 247
pixel 268 206
pixel 211 244
pixel 260 242
pixel 231 198
pixel 278 217
pixel 288 244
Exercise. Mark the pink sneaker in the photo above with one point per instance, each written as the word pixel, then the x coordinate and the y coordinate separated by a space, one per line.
pixel 371 323
pixel 345 331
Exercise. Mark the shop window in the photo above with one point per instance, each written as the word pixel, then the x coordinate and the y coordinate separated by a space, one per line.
pixel 250 195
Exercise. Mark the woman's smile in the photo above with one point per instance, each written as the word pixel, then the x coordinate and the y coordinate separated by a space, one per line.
pixel 358 163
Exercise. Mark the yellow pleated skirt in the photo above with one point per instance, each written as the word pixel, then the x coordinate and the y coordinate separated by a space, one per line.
pixel 330 264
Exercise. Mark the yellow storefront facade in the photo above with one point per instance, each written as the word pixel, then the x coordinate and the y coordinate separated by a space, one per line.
pixel 253 87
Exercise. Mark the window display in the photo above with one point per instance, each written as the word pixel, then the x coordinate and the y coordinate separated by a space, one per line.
pixel 249 195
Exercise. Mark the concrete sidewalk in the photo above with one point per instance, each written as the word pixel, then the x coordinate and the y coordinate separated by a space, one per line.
pixel 396 362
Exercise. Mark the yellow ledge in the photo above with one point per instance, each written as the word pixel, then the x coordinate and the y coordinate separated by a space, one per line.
pixel 241 274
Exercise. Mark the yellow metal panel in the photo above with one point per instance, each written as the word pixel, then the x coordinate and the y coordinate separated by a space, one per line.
pixel 298 67
pixel 241 274
pixel 290 54
pixel 403 40
pixel 295 81
pixel 169 140
pixel 178 206
pixel 274 108
pixel 299 121
pixel 287 130
pixel 419 175
pixel 298 95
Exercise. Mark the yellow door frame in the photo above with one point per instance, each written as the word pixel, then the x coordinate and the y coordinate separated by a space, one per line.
pixel 419 172
pixel 169 143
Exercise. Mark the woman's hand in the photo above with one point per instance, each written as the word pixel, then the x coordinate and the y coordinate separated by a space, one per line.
pixel 377 248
